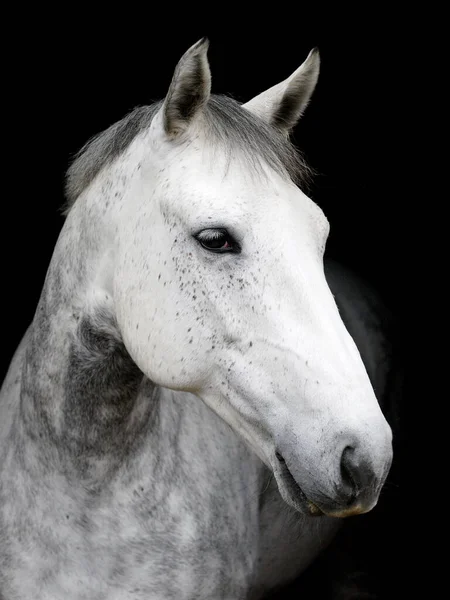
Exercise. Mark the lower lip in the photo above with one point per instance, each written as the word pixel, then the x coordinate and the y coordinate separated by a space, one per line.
pixel 312 509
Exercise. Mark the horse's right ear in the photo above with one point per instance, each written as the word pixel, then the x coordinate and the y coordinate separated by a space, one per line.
pixel 189 90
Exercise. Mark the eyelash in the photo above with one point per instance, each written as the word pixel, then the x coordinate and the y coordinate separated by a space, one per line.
pixel 208 236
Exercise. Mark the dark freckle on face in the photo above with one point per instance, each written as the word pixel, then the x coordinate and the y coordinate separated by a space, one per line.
pixel 251 344
pixel 190 341
pixel 189 329
pixel 159 276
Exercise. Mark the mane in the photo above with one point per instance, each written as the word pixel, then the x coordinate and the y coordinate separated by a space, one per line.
pixel 237 130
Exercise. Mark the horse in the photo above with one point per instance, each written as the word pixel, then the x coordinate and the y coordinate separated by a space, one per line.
pixel 188 415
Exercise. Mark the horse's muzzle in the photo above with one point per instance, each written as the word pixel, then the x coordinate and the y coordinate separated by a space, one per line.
pixel 353 491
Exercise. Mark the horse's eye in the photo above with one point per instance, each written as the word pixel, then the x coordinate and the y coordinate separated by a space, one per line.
pixel 217 240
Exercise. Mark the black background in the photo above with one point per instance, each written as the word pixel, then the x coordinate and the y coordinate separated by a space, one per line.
pixel 72 75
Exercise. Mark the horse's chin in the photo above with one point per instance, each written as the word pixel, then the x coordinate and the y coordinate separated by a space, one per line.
pixel 293 494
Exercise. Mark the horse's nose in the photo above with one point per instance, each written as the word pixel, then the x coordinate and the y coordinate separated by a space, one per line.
pixel 341 475
pixel 359 482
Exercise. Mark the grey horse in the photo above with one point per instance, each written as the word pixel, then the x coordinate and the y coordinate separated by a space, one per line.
pixel 188 416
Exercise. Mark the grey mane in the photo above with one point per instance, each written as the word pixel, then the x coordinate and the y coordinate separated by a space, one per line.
pixel 227 123
pixel 103 148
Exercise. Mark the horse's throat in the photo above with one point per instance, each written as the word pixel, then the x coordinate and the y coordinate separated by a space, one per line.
pixel 81 393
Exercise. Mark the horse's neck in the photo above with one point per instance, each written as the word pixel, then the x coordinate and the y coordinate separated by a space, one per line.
pixel 81 394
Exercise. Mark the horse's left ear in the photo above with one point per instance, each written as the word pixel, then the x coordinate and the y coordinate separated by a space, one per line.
pixel 283 104
pixel 189 90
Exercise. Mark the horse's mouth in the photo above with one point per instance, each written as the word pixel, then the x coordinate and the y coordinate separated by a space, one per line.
pixel 292 493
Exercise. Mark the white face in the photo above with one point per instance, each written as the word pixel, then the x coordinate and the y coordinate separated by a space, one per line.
pixel 220 291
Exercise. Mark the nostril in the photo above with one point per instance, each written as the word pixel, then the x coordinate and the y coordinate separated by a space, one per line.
pixel 349 473
pixel 279 457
